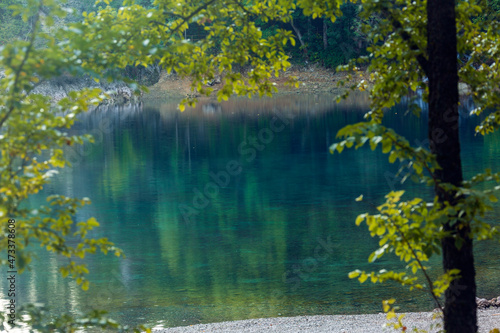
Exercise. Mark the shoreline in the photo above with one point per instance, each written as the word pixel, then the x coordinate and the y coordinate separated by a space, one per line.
pixel 488 319
pixel 313 80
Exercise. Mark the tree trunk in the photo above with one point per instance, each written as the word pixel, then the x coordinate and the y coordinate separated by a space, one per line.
pixel 325 36
pixel 301 40
pixel 309 27
pixel 460 304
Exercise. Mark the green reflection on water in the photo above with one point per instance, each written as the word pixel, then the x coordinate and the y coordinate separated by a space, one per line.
pixel 277 239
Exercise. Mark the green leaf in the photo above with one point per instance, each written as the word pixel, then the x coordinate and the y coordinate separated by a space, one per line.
pixel 418 168
pixel 386 146
pixel 360 219
pixel 392 156
pixel 354 274
pixel 92 222
pixel 378 253
pixel 380 230
pixel 85 285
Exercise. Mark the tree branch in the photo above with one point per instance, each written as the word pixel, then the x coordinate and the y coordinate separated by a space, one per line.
pixel 20 68
pixel 186 18
pixel 396 24
pixel 429 281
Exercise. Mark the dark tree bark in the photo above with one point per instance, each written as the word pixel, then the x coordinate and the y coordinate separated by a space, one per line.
pixel 300 38
pixel 325 35
pixel 460 304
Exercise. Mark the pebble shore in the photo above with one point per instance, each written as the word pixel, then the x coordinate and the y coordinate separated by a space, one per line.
pixel 369 323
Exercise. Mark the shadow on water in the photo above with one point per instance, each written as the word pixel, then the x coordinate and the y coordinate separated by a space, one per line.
pixel 236 210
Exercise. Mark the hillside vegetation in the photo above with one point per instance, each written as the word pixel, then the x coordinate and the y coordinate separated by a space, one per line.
pixel 319 40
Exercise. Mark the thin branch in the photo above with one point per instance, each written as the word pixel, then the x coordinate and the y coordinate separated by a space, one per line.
pixel 419 263
pixel 20 68
pixel 185 19
pixel 429 281
pixel 249 13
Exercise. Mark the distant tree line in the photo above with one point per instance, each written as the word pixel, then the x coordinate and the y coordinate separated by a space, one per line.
pixel 11 27
pixel 319 40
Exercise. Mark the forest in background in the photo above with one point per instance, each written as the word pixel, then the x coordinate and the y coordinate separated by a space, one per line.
pixel 319 40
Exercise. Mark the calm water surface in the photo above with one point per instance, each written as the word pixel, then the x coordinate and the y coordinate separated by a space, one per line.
pixel 236 210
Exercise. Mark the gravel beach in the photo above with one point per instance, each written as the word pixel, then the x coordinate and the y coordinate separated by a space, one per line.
pixel 370 323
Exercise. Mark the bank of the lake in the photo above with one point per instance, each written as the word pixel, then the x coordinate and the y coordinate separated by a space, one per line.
pixel 313 79
pixel 488 319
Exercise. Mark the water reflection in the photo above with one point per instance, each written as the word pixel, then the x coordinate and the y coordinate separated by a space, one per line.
pixel 277 237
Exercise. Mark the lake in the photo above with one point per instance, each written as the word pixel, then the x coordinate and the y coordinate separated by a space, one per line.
pixel 237 210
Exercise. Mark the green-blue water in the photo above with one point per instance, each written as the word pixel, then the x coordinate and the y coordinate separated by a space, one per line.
pixel 236 210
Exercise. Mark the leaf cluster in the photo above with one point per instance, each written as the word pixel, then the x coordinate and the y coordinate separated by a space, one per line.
pixel 33 138
pixel 38 319
pixel 398 65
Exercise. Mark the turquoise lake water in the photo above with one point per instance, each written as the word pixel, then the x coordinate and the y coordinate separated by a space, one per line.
pixel 237 210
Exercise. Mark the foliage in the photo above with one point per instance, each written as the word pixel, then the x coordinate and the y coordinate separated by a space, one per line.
pixel 128 42
pixel 33 134
pixel 491 11
pixel 414 230
pixel 33 150
pixel 38 319
pixel 11 27
pixel 34 129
